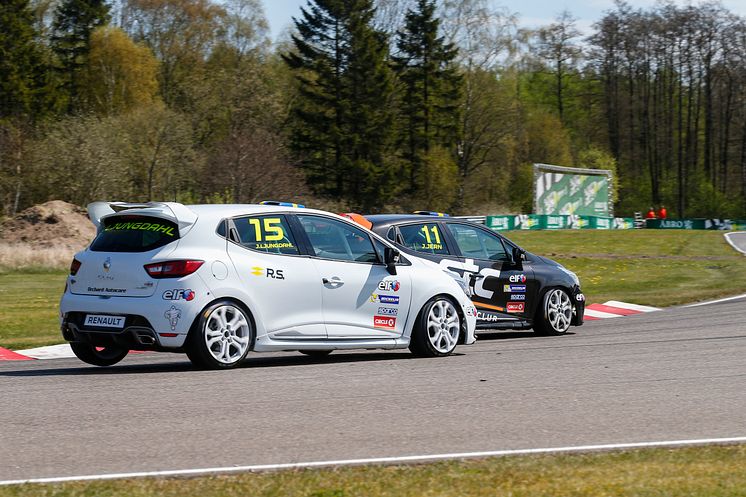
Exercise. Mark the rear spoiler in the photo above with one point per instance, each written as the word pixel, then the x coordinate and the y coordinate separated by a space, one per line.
pixel 173 211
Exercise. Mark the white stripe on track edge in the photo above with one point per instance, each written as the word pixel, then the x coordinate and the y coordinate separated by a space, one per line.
pixel 731 243
pixel 726 299
pixel 382 460
pixel 600 314
pixel 631 307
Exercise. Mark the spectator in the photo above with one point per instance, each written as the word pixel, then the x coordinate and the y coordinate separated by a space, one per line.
pixel 650 214
pixel 663 213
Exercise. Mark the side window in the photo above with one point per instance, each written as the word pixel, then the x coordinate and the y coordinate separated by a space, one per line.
pixel 269 234
pixel 477 243
pixel 423 237
pixel 332 239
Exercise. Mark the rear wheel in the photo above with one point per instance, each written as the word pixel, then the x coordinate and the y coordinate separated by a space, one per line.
pixel 98 356
pixel 436 331
pixel 555 314
pixel 222 336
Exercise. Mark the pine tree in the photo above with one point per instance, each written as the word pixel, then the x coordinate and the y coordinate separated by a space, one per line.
pixel 21 60
pixel 431 88
pixel 74 22
pixel 343 120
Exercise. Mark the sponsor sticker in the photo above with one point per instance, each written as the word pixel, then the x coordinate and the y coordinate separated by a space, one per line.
pixel 101 289
pixel 389 286
pixel 160 228
pixel 385 299
pixel 516 307
pixel 517 278
pixel 484 316
pixel 514 288
pixel 173 315
pixel 385 322
pixel 471 310
pixel 178 294
pixel 104 321
pixel 388 311
pixel 580 297
pixel 519 296
pixel 275 274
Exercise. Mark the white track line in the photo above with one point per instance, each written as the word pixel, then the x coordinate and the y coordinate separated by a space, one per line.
pixel 717 301
pixel 631 307
pixel 61 351
pixel 731 243
pixel 600 314
pixel 381 460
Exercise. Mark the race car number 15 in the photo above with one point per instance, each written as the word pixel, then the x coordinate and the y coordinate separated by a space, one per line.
pixel 269 231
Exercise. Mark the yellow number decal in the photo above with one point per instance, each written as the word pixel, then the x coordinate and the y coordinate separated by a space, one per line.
pixel 273 225
pixel 436 234
pixel 272 229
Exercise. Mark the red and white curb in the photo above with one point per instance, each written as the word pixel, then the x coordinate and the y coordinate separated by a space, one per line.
pixel 61 351
pixel 615 309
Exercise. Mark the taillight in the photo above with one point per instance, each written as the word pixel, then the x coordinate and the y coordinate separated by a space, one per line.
pixel 172 269
pixel 74 266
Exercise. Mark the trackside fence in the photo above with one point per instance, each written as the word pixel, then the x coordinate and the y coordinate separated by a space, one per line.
pixel 564 221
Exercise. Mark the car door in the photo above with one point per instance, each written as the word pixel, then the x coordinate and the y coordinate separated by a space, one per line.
pixel 361 300
pixel 285 285
pixel 502 289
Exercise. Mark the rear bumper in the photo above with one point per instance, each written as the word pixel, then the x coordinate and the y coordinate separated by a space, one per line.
pixel 150 323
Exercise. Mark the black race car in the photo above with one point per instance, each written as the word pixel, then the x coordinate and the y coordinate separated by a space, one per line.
pixel 511 288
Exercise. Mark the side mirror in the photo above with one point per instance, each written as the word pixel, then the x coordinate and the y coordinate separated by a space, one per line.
pixel 518 256
pixel 391 257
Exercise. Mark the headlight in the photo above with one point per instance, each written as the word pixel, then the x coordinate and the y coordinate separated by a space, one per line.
pixel 464 286
pixel 571 274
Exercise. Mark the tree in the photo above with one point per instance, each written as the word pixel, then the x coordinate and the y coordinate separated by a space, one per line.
pixel 431 88
pixel 342 128
pixel 22 78
pixel 556 46
pixel 75 21
pixel 121 74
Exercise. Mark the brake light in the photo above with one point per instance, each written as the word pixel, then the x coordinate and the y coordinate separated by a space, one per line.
pixel 74 266
pixel 172 269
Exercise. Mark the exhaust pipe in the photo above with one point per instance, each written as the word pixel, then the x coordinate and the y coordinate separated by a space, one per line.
pixel 146 339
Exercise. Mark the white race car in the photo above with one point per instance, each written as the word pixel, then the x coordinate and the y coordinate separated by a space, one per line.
pixel 216 281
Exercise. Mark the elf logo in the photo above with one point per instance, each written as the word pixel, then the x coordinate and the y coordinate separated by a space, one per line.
pixel 517 278
pixel 389 286
pixel 178 294
pixel 385 322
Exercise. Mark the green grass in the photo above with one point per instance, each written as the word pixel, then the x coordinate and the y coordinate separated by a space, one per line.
pixel 651 267
pixel 29 308
pixel 691 472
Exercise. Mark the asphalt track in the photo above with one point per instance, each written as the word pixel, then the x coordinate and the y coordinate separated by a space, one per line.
pixel 669 375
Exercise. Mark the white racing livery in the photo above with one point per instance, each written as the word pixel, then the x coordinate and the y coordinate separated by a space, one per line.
pixel 217 281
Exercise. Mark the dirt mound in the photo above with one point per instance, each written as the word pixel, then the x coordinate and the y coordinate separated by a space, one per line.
pixel 54 224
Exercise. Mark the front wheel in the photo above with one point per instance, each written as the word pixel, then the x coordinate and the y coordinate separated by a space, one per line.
pixel 222 336
pixel 436 330
pixel 555 314
pixel 98 356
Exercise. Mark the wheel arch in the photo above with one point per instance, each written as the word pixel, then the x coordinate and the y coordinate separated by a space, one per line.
pixel 236 301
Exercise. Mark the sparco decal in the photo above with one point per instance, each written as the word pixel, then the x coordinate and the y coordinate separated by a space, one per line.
pixel 178 294
pixel 389 286
pixel 514 288
pixel 516 306
pixel 517 278
pixel 384 322
pixel 388 311
pixel 518 296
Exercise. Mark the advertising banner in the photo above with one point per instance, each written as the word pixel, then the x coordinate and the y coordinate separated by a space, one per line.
pixel 572 191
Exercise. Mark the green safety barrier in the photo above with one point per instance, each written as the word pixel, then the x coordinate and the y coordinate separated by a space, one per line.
pixel 557 222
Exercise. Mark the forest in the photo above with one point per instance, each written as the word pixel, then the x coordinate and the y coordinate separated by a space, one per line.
pixel 369 105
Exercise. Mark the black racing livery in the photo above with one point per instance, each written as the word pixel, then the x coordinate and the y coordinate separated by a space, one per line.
pixel 510 287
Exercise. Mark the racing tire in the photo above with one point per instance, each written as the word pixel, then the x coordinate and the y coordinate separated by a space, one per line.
pixel 106 356
pixel 315 353
pixel 555 314
pixel 437 329
pixel 221 337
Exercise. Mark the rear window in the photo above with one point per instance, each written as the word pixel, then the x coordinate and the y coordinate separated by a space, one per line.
pixel 134 234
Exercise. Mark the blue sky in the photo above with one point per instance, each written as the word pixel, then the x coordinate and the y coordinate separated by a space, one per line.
pixel 531 13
